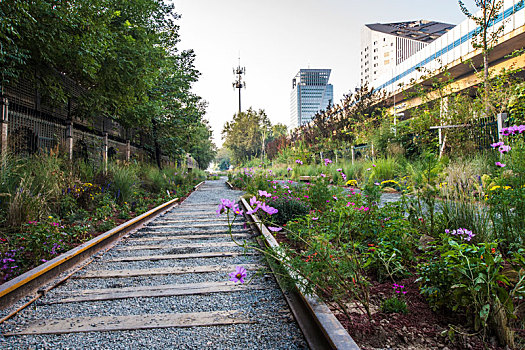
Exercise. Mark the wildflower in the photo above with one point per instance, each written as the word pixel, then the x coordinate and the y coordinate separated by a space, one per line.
pixel 504 149
pixel 224 206
pixel 327 161
pixel 238 275
pixel 493 250
pixel 323 175
pixel 50 217
pixel 274 229
pixel 269 210
pixel 264 194
pixel 376 183
pixel 306 196
pixel 289 169
pixel 298 161
pixel 497 144
pixel 339 170
pixel 374 165
pixel 368 169
pixel 465 234
pixel 315 219
pixel 351 183
pixel 501 165
pixel 350 204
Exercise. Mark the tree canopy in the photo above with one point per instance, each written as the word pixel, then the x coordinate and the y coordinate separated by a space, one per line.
pixel 123 56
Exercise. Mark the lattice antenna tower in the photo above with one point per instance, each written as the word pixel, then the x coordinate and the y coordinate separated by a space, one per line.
pixel 239 83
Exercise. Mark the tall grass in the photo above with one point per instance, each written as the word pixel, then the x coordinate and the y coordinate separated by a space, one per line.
pixel 124 181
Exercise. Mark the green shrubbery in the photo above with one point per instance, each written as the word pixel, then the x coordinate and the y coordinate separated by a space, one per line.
pixel 48 205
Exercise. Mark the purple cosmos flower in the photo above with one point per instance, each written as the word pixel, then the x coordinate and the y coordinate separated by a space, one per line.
pixel 323 175
pixel 289 169
pixel 501 165
pixel 238 275
pixel 269 210
pixel 274 229
pixel 327 161
pixel 339 169
pixel 497 144
pixel 298 161
pixel 314 218
pixel 264 194
pixel 253 201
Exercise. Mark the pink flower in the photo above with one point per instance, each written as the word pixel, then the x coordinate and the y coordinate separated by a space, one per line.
pixel 238 275
pixel 501 165
pixel 264 193
pixel 274 229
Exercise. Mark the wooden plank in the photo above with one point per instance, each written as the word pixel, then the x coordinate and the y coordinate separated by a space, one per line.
pixel 197 236
pixel 189 232
pixel 178 256
pixel 206 226
pixel 91 295
pixel 179 246
pixel 133 322
pixel 195 220
pixel 162 271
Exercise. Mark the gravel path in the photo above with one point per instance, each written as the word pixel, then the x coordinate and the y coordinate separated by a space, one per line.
pixel 271 324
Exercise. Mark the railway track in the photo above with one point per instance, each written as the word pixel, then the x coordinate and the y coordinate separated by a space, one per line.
pixel 164 286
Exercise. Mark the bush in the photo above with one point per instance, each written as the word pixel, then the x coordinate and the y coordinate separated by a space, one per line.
pixel 289 209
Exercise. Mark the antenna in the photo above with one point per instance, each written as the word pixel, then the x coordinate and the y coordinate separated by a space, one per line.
pixel 239 83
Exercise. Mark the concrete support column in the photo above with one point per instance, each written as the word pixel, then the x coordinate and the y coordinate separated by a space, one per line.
pixel 128 151
pixel 4 117
pixel 69 140
pixel 105 153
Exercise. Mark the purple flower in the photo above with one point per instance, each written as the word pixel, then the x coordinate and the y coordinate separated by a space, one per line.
pixel 504 149
pixel 501 165
pixel 339 169
pixel 323 175
pixel 327 161
pixel 298 161
pixel 269 210
pixel 463 233
pixel 238 275
pixel 497 144
pixel 274 229
pixel 264 194
pixel 289 169
pixel 253 201
pixel 315 219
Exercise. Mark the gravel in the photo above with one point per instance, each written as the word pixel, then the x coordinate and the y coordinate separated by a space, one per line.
pixel 273 325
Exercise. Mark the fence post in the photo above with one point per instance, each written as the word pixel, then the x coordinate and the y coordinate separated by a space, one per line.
pixel 372 151
pixel 500 119
pixel 4 117
pixel 105 153
pixel 128 151
pixel 353 154
pixel 69 140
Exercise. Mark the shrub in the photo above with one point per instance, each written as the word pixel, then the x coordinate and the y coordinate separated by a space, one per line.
pixel 289 209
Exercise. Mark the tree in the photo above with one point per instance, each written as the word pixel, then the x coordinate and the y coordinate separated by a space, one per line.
pixel 244 135
pixel 484 38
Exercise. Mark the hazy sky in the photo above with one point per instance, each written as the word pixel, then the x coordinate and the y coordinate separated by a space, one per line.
pixel 276 38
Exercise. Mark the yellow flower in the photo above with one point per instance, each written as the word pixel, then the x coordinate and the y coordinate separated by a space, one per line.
pixel 351 183
pixel 49 217
pixel 443 184
pixel 493 188
pixel 389 181
pixel 507 188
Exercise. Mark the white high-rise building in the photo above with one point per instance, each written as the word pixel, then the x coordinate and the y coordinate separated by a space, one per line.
pixel 311 93
pixel 384 46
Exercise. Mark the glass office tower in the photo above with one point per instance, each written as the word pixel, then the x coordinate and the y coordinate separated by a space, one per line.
pixel 311 93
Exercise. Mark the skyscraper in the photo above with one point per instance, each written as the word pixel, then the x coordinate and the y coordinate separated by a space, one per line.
pixel 311 93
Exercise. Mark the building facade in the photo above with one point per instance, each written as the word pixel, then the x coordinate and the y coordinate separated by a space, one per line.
pixel 384 46
pixel 311 93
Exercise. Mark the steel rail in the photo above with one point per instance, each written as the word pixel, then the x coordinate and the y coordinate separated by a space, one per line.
pixel 319 325
pixel 32 280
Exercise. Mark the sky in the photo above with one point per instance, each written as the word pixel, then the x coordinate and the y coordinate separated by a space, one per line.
pixel 276 38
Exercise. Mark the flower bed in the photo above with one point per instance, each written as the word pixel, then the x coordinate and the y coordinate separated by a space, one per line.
pixel 417 272
pixel 41 219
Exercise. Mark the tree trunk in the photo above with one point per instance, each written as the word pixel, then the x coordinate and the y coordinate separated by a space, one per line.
pixel 158 151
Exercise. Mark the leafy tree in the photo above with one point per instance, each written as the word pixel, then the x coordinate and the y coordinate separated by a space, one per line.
pixel 485 38
pixel 245 133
